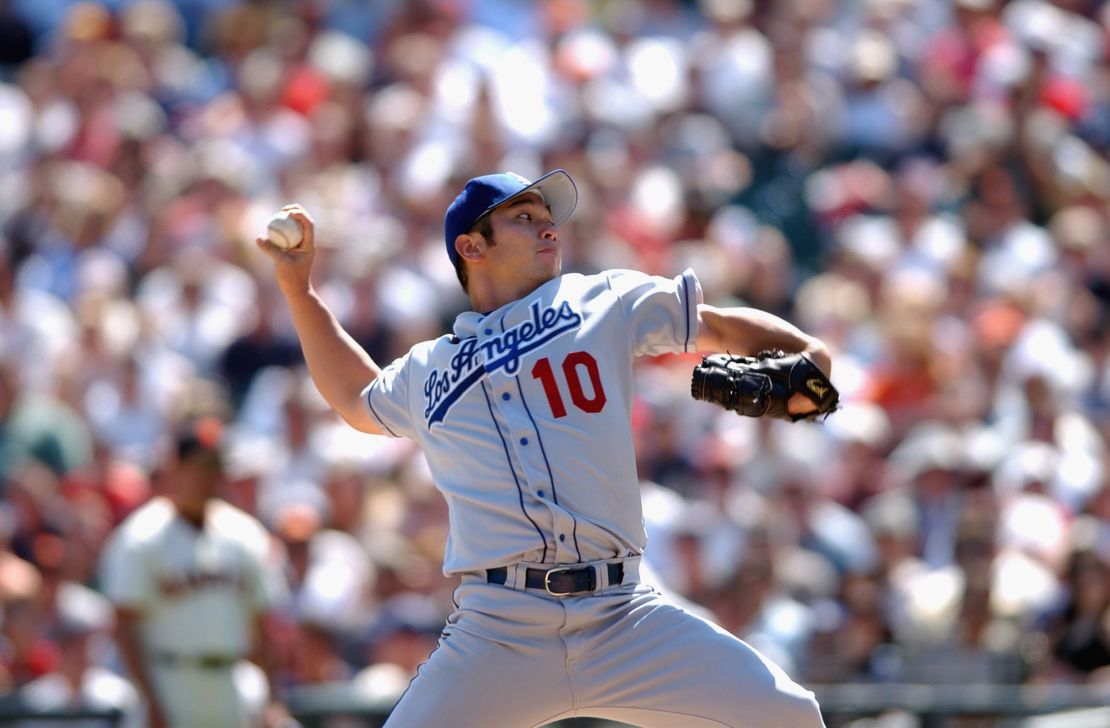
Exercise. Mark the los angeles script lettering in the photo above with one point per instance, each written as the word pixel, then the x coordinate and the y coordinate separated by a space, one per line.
pixel 500 351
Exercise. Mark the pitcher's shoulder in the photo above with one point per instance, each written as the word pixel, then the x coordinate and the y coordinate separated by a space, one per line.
pixel 583 284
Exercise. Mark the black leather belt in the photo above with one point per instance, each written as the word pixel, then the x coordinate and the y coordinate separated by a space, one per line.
pixel 204 662
pixel 560 581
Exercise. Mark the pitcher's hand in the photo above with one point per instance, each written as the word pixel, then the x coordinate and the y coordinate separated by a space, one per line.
pixel 293 267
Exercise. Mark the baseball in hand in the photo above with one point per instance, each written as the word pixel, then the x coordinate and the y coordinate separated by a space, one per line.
pixel 284 231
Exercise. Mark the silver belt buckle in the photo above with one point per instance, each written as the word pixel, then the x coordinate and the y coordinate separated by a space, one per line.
pixel 559 570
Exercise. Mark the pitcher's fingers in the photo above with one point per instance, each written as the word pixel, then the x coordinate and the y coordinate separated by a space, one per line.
pixel 266 246
pixel 799 404
pixel 299 212
pixel 308 227
pixel 296 207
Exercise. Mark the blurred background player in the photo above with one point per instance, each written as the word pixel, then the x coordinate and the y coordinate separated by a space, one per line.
pixel 192 579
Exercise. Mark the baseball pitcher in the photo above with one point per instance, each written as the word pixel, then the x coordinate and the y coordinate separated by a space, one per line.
pixel 523 412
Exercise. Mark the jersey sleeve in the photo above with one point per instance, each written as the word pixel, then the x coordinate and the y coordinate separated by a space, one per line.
pixel 125 579
pixel 387 398
pixel 662 313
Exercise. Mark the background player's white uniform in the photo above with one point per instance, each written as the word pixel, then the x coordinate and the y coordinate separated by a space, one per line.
pixel 199 592
pixel 524 416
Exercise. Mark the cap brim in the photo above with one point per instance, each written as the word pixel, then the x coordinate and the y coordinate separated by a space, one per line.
pixel 559 194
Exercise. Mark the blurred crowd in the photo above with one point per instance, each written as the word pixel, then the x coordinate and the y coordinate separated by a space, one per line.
pixel 923 184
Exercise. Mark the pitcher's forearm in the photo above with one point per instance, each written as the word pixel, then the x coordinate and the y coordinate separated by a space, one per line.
pixel 746 331
pixel 340 368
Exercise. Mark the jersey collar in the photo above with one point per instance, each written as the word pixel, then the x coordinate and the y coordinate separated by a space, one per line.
pixel 470 323
pixel 467 323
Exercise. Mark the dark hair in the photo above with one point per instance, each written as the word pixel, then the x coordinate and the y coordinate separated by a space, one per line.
pixel 199 440
pixel 484 227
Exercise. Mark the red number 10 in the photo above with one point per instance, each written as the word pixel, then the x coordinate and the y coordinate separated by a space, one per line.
pixel 572 372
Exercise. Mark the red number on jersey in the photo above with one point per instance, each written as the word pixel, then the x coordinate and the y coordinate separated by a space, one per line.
pixel 572 367
pixel 542 371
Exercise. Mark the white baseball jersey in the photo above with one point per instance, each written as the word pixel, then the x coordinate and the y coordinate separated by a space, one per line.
pixel 524 415
pixel 199 590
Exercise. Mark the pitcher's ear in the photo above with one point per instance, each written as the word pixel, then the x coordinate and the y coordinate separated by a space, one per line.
pixel 468 246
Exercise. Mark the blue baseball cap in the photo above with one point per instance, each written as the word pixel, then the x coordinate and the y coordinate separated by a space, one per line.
pixel 482 194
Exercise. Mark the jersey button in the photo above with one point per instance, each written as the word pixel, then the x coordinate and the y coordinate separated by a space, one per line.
pixel 489 331
pixel 524 441
pixel 539 493
pixel 562 537
pixel 506 396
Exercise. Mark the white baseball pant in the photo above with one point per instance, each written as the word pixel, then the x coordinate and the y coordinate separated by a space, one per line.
pixel 194 696
pixel 521 658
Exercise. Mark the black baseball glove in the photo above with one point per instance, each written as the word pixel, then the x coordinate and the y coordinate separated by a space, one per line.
pixel 761 385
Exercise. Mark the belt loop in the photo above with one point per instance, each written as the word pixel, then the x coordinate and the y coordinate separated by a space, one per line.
pixel 601 575
pixel 631 570
pixel 517 575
